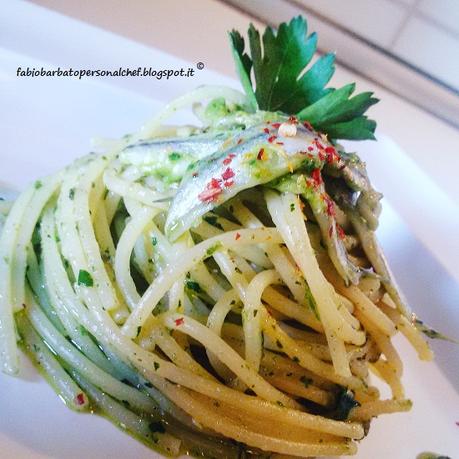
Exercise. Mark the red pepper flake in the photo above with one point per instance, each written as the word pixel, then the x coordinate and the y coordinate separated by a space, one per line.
pixel 279 143
pixel 239 141
pixel 272 139
pixel 212 191
pixel 276 125
pixel 330 231
pixel 341 233
pixel 228 183
pixel 318 144
pixel 179 322
pixel 230 157
pixel 310 148
pixel 316 177
pixel 330 206
pixel 293 119
pixel 266 130
pixel 237 236
pixel 261 154
pixel 308 125
pixel 229 173
pixel 194 174
pixel 209 195
pixel 79 399
pixel 332 154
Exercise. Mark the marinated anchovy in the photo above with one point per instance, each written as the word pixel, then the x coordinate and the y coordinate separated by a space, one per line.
pixel 259 155
pixel 323 210
pixel 170 158
pixel 346 199
pixel 353 171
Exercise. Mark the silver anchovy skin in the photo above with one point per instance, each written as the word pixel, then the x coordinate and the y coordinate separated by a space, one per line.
pixel 346 200
pixel 188 204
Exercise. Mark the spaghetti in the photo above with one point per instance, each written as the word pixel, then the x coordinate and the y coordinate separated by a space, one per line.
pixel 213 289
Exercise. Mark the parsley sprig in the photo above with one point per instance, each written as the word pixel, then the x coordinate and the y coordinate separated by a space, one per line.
pixel 284 81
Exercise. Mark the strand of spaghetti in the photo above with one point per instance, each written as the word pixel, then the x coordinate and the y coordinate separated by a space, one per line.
pixel 78 361
pixel 344 311
pixel 292 381
pixel 276 430
pixel 9 362
pixel 361 302
pixel 124 248
pixel 143 256
pixel 177 355
pixel 382 369
pixel 194 255
pixel 227 356
pixel 409 331
pixel 81 213
pixel 55 374
pixel 208 415
pixel 301 389
pixel 112 201
pixel 18 261
pixel 98 322
pixel 102 232
pixel 291 276
pixel 72 328
pixel 251 319
pixel 151 365
pixel 291 225
pixel 129 420
pixel 207 282
pixel 251 253
pixel 135 191
pixel 384 344
pixel 147 362
pixel 305 359
pixel 371 409
pixel 215 323
pixel 280 366
pixel 286 213
pixel 291 309
pixel 320 351
pixel 209 91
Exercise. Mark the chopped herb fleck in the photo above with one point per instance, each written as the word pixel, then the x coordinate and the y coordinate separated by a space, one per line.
pixel 174 156
pixel 306 381
pixel 71 193
pixel 84 278
pixel 193 286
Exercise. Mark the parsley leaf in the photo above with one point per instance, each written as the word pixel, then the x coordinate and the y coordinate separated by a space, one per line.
pixel 284 81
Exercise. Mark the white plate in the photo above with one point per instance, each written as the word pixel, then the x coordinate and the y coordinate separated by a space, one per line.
pixel 44 123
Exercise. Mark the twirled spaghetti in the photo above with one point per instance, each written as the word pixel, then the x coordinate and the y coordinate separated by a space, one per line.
pixel 247 321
